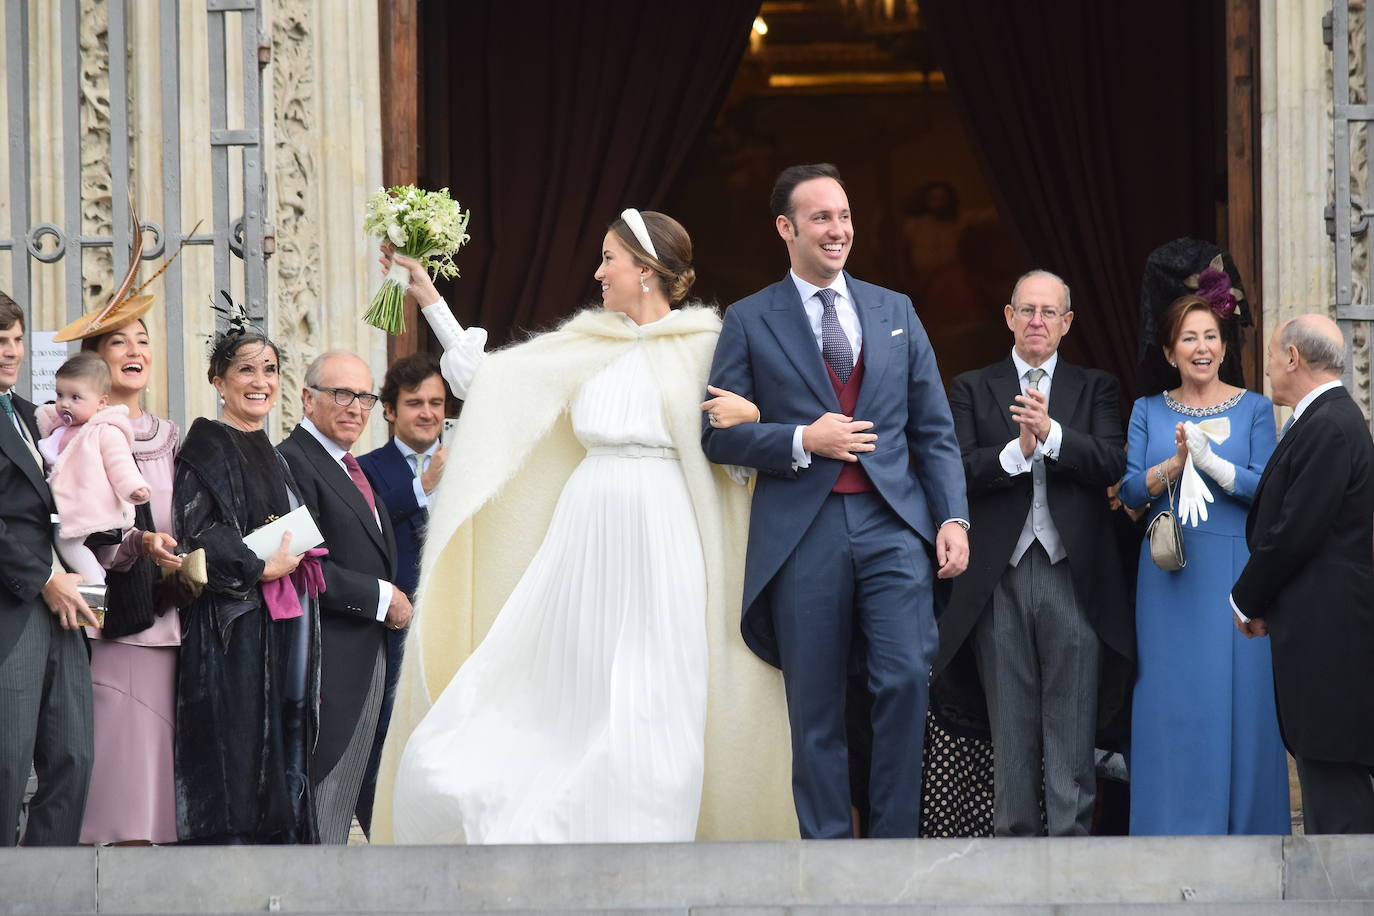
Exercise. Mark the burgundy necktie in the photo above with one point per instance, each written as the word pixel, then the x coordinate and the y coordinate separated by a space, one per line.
pixel 355 471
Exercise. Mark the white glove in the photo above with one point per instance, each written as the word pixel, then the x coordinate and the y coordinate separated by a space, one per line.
pixel 1200 439
pixel 1193 495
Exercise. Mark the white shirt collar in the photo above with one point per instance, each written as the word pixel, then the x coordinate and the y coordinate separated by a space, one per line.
pixel 406 451
pixel 807 290
pixel 333 448
pixel 1022 367
pixel 1312 396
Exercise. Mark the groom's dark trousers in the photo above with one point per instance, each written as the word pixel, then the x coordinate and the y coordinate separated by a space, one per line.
pixel 835 545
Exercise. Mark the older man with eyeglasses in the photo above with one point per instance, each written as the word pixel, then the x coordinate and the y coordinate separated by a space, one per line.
pixel 360 599
pixel 1043 607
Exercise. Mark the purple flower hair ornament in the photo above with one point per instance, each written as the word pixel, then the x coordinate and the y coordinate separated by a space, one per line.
pixel 1214 284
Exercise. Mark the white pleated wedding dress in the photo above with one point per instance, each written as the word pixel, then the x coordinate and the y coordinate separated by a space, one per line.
pixel 580 717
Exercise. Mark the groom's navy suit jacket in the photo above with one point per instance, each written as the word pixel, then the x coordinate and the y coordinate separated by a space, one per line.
pixel 768 353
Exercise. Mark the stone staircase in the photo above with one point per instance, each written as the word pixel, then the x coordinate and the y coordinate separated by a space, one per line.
pixel 1224 875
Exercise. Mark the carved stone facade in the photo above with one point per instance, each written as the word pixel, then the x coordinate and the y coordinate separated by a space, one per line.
pixel 295 194
pixel 1295 140
pixel 1359 190
pixel 326 157
pixel 97 182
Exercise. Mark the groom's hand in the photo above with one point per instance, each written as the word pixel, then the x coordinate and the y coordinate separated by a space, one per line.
pixel 951 550
pixel 836 436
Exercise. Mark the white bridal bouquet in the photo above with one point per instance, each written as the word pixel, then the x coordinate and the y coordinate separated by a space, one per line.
pixel 428 226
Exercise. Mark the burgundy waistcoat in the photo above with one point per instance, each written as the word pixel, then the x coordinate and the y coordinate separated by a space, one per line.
pixel 853 478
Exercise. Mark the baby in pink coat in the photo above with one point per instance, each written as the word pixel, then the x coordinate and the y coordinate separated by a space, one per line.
pixel 88 450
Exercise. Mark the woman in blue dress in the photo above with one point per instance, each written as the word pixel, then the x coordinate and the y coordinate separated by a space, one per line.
pixel 1206 756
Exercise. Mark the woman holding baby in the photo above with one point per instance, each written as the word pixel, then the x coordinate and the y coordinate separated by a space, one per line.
pixel 134 658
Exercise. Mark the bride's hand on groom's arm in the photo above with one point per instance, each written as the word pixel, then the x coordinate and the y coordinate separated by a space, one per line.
pixel 728 409
pixel 421 287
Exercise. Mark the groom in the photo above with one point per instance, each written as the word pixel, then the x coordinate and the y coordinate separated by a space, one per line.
pixel 860 483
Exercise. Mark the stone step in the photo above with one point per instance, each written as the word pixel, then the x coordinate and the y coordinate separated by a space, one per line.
pixel 1108 874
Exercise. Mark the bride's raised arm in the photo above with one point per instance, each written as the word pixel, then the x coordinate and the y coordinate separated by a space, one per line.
pixel 464 348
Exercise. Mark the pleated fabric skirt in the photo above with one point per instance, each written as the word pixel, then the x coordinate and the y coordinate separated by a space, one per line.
pixel 132 795
pixel 581 716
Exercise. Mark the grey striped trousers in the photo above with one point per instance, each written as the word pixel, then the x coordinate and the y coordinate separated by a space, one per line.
pixel 1038 659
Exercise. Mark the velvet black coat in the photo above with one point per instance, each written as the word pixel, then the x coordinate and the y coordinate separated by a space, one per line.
pixel 236 739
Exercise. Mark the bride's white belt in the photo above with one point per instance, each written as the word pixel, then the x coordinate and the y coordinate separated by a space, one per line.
pixel 634 451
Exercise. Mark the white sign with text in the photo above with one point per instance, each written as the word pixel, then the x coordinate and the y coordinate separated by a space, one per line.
pixel 45 358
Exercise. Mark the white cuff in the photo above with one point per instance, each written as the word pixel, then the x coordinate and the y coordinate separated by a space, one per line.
pixel 801 458
pixel 961 522
pixel 1220 470
pixel 1050 447
pixel 463 349
pixel 1013 462
pixel 384 589
pixel 1243 618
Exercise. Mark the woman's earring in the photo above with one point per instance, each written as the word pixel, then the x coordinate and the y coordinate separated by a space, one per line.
pixel 1173 364
pixel 644 283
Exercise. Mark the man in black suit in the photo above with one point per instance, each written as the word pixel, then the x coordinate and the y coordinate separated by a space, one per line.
pixel 403 472
pixel 1309 582
pixel 360 600
pixel 1041 441
pixel 45 675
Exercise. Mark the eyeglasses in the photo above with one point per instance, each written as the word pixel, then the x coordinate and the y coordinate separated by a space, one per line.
pixel 1026 313
pixel 345 396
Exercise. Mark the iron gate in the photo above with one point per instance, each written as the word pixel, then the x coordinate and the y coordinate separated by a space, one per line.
pixel 245 236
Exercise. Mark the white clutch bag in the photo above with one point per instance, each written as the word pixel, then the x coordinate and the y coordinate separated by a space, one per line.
pixel 305 534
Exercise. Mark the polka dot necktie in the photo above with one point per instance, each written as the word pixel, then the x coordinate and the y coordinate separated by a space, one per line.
pixel 835 349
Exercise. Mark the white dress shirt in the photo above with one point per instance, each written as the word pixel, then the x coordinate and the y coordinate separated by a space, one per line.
pixel 411 457
pixel 337 452
pixel 1013 460
pixel 1305 403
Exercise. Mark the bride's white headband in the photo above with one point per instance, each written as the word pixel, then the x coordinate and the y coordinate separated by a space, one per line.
pixel 636 223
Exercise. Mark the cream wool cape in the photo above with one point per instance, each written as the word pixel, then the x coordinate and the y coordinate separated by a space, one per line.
pixel 513 453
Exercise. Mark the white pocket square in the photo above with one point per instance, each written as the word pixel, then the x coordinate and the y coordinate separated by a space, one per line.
pixel 896 332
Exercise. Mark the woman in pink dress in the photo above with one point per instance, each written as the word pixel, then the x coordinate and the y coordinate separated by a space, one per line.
pixel 133 676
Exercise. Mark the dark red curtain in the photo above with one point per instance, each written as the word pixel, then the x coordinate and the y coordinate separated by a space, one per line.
pixel 1098 126
pixel 548 118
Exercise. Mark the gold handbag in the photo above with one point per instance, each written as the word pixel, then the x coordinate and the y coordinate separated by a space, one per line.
pixel 1166 534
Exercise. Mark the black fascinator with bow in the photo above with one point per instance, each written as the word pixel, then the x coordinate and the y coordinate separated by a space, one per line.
pixel 1180 268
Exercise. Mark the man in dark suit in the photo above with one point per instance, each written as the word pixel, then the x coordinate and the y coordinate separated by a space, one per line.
pixel 360 599
pixel 1309 582
pixel 45 675
pixel 403 473
pixel 1041 441
pixel 859 485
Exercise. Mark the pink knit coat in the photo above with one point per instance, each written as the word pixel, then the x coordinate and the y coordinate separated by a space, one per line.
pixel 95 472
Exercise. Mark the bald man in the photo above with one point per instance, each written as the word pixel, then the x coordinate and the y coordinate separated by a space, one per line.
pixel 1309 583
pixel 360 600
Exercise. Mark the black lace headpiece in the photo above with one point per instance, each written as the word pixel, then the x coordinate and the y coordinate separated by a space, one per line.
pixel 1180 268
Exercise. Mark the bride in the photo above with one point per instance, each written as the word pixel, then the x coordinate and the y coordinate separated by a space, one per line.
pixel 583 565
